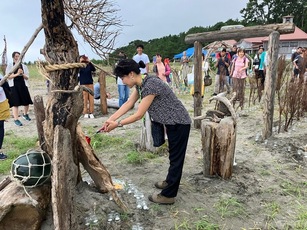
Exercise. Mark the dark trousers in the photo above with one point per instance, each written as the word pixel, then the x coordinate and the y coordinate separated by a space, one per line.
pixel 1 133
pixel 178 136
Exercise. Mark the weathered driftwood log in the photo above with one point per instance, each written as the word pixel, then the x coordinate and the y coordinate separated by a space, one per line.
pixel 19 210
pixel 270 85
pixel 103 93
pixel 39 111
pixel 198 82
pixel 219 139
pixel 238 34
pixel 146 142
pixel 95 168
pixel 64 180
pixel 218 142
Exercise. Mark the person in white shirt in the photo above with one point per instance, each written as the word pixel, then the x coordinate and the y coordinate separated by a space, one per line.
pixel 18 82
pixel 140 56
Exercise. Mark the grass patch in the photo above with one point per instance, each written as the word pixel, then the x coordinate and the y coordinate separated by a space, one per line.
pixel 202 224
pixel 104 141
pixel 272 210
pixel 136 157
pixel 301 222
pixel 15 146
pixel 293 189
pixel 229 207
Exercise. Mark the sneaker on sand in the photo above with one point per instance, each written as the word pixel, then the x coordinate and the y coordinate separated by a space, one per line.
pixel 26 117
pixel 161 184
pixel 160 199
pixel 86 115
pixel 91 116
pixel 17 122
pixel 2 156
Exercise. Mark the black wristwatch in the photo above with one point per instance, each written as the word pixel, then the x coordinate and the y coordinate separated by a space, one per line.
pixel 119 124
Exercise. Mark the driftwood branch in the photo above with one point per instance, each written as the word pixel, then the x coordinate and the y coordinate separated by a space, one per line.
pixel 222 99
pixel 5 182
pixel 96 169
pixel 105 72
pixel 22 54
pixel 237 34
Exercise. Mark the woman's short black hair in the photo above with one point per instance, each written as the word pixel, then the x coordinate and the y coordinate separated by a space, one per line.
pixel 126 66
pixel 14 53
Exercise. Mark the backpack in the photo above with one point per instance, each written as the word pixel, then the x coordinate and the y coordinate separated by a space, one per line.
pixel 244 61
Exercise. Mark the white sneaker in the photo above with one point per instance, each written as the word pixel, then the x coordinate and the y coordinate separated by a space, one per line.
pixel 86 115
pixel 91 116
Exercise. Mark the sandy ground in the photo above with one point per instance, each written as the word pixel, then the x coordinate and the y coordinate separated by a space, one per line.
pixel 268 188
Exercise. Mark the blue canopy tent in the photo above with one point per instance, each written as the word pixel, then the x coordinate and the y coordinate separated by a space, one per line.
pixel 190 52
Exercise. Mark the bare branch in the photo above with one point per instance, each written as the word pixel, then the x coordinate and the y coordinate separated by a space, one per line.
pixel 96 21
pixel 22 54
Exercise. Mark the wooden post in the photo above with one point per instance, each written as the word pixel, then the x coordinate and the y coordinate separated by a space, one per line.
pixel 197 82
pixel 218 143
pixel 103 93
pixel 64 180
pixel 270 84
pixel 39 111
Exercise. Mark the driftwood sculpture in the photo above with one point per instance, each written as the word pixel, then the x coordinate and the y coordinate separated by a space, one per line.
pixel 219 137
pixel 61 137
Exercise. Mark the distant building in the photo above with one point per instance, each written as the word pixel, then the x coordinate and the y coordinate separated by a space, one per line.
pixel 288 42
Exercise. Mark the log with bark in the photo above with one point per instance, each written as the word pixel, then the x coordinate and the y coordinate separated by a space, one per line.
pixel 238 34
pixel 218 137
pixel 21 210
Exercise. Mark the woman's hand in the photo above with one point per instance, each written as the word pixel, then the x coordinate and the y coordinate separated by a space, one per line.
pixel 19 72
pixel 109 125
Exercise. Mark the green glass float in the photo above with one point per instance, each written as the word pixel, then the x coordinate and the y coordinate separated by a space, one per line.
pixel 32 168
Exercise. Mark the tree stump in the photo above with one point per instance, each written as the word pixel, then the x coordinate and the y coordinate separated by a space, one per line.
pixel 218 143
pixel 19 210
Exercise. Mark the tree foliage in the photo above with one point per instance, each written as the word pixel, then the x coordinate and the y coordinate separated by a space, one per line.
pixel 259 12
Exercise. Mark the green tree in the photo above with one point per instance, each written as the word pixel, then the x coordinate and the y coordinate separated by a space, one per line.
pixel 259 12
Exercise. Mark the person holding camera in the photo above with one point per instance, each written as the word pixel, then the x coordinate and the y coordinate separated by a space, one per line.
pixel 86 79
pixel 222 75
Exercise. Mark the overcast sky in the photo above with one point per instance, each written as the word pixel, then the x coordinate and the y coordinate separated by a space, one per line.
pixel 146 20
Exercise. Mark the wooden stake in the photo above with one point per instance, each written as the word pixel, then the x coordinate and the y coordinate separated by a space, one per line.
pixel 103 93
pixel 197 83
pixel 270 84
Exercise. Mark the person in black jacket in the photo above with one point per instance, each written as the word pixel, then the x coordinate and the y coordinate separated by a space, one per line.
pixel 86 79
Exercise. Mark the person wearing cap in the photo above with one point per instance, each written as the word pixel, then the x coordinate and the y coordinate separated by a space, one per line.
pixel 222 74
